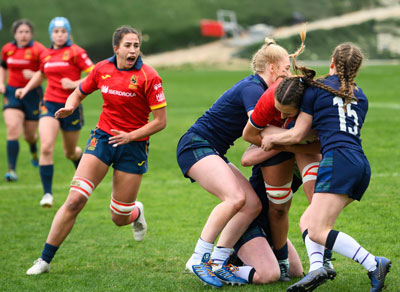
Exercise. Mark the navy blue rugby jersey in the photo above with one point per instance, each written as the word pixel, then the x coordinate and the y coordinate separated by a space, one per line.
pixel 225 120
pixel 336 128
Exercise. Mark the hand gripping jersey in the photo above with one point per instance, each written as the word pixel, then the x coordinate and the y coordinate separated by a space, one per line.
pixel 336 127
pixel 223 123
pixel 129 95
pixel 15 59
pixel 265 113
pixel 67 62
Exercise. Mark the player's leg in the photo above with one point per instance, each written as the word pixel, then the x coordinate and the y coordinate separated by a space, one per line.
pixel 48 130
pixel 13 118
pixel 236 226
pixel 278 180
pixel 31 137
pixel 71 149
pixel 258 254
pixel 88 175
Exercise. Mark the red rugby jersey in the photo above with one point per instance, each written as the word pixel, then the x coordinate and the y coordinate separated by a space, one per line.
pixel 129 95
pixel 67 62
pixel 265 112
pixel 17 59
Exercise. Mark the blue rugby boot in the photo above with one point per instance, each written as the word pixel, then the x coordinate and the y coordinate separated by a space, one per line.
pixel 225 274
pixel 379 274
pixel 311 281
pixel 205 273
pixel 11 176
pixel 35 162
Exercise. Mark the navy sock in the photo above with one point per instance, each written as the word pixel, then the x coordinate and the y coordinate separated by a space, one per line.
pixel 46 175
pixel 328 254
pixel 12 153
pixel 33 148
pixel 282 253
pixel 76 162
pixel 48 252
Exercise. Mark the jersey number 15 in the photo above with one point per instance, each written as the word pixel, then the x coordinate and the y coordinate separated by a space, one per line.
pixel 350 114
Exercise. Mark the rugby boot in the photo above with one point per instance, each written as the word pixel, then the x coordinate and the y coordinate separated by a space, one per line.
pixel 378 276
pixel 205 273
pixel 311 281
pixel 139 226
pixel 225 274
pixel 284 267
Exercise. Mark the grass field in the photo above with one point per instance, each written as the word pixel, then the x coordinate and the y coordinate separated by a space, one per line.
pixel 98 256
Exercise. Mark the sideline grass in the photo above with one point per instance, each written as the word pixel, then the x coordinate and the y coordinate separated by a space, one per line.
pixel 98 256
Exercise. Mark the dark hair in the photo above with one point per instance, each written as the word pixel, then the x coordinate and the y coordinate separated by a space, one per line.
pixel 16 24
pixel 123 30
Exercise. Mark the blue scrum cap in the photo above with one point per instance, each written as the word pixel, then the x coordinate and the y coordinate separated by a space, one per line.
pixel 59 22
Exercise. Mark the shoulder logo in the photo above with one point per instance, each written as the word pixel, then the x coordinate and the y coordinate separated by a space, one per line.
pixel 47 58
pixel 133 82
pixel 9 53
pixel 105 76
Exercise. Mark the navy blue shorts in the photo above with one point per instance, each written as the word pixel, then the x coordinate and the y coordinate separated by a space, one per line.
pixel 343 171
pixel 277 159
pixel 191 148
pixel 29 104
pixel 130 158
pixel 254 230
pixel 73 122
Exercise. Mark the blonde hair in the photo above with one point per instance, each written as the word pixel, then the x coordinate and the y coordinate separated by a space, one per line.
pixel 271 53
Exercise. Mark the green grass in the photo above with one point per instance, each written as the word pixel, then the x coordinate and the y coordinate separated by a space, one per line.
pixel 98 256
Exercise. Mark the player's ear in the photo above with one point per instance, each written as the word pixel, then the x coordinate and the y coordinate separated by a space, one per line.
pixel 115 48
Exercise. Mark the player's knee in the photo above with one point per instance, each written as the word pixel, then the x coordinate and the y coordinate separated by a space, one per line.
pixel 309 172
pixel 120 211
pixel 279 194
pixel 46 149
pixel 69 154
pixel 268 275
pixel 75 204
pixel 82 185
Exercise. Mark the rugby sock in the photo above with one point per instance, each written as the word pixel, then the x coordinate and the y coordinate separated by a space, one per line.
pixel 201 248
pixel 220 254
pixel 48 252
pixel 347 246
pixel 282 253
pixel 134 214
pixel 315 253
pixel 245 272
pixel 33 150
pixel 76 162
pixel 46 175
pixel 12 153
pixel 328 254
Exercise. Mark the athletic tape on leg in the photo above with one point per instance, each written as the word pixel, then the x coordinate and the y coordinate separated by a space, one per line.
pixel 121 208
pixel 279 195
pixel 82 185
pixel 310 172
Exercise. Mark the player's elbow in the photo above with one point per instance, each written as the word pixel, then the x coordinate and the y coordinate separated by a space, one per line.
pixel 245 161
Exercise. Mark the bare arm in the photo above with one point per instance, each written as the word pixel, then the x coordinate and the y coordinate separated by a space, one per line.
pixel 35 81
pixel 254 155
pixel 67 83
pixel 292 136
pixel 73 101
pixel 3 76
pixel 158 123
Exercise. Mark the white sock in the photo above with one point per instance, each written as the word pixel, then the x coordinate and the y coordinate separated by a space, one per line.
pixel 201 248
pixel 220 254
pixel 315 253
pixel 243 272
pixel 349 247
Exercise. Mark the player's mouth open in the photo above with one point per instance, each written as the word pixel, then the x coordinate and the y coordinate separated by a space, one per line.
pixel 131 59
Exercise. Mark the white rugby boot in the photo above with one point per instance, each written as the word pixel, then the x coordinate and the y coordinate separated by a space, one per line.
pixel 39 267
pixel 47 200
pixel 139 226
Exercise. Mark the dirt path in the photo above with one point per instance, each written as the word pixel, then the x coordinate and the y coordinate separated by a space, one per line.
pixel 219 54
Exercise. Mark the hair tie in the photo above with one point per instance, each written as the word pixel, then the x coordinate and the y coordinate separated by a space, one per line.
pixel 270 43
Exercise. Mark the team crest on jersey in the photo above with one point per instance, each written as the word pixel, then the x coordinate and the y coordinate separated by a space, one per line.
pixel 28 54
pixel 44 110
pixel 65 56
pixel 92 144
pixel 133 82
